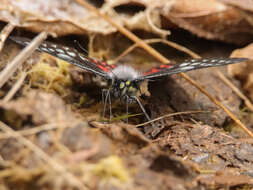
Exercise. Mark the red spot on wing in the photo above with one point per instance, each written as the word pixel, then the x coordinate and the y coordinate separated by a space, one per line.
pixel 105 69
pixel 95 61
pixel 103 63
pixel 165 66
pixel 154 70
pixel 158 69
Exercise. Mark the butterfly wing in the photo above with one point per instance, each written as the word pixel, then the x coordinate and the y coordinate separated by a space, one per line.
pixel 187 65
pixel 72 56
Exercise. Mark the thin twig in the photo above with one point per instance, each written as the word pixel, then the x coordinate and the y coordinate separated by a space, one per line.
pixel 171 115
pixel 20 58
pixel 162 59
pixel 41 154
pixel 236 90
pixel 150 41
pixel 5 33
pixel 15 88
pixel 34 130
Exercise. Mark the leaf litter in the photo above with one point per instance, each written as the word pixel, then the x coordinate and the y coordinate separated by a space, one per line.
pixel 63 104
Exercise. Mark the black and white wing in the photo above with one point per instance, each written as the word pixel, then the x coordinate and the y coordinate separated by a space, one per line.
pixel 72 56
pixel 187 65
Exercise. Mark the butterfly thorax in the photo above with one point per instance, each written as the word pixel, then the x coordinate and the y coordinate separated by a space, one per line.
pixel 123 85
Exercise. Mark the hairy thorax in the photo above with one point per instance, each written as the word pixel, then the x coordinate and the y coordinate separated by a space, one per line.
pixel 123 84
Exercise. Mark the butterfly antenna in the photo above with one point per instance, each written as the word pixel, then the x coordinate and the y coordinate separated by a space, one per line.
pixel 81 47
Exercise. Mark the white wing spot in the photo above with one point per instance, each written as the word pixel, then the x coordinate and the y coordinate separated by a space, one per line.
pixel 82 57
pixel 196 63
pixel 59 51
pixel 63 56
pixel 44 49
pixel 187 68
pixel 228 62
pixel 184 64
pixel 71 53
pixel 222 61
pixel 51 49
pixel 213 60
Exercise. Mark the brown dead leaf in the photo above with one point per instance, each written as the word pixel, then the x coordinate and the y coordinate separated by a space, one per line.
pixel 40 106
pixel 244 71
pixel 244 4
pixel 210 19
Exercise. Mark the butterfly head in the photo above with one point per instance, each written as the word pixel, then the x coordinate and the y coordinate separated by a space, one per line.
pixel 123 82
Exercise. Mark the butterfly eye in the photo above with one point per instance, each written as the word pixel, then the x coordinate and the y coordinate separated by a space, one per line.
pixel 122 85
pixel 128 83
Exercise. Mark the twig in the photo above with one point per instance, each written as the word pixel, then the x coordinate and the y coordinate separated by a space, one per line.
pixel 171 115
pixel 20 58
pixel 5 33
pixel 236 90
pixel 34 130
pixel 162 59
pixel 15 88
pixel 150 41
pixel 41 154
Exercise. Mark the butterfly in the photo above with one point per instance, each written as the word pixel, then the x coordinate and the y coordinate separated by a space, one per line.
pixel 123 81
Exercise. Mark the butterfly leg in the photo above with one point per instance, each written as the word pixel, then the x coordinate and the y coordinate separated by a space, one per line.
pixel 103 95
pixel 107 98
pixel 103 101
pixel 110 104
pixel 141 106
pixel 127 108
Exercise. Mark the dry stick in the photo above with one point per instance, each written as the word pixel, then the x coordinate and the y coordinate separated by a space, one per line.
pixel 172 114
pixel 149 41
pixel 162 59
pixel 5 33
pixel 41 154
pixel 15 88
pixel 236 90
pixel 20 58
pixel 34 130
